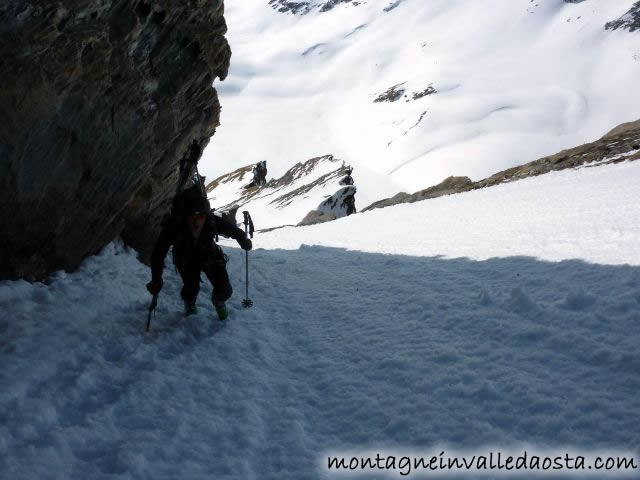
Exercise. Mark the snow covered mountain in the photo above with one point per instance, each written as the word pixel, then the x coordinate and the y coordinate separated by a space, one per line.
pixel 322 185
pixel 417 91
pixel 317 190
pixel 316 178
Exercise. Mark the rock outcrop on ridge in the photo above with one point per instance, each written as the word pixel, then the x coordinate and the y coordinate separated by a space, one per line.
pixel 629 21
pixel 447 187
pixel 99 101
pixel 338 205
pixel 303 7
pixel 620 144
pixel 318 189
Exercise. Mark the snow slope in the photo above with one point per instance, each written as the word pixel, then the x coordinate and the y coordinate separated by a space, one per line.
pixel 306 186
pixel 284 201
pixel 589 213
pixel 498 317
pixel 515 80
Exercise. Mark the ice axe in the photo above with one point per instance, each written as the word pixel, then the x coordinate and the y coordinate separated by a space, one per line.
pixel 248 229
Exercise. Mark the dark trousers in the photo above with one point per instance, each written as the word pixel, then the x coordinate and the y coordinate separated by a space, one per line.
pixel 215 269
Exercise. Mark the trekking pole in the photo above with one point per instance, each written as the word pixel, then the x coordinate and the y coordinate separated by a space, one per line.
pixel 152 309
pixel 248 229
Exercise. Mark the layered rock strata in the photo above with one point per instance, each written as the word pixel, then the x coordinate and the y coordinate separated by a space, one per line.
pixel 99 100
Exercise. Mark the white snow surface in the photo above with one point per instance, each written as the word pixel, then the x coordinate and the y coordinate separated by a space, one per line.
pixel 516 80
pixel 496 317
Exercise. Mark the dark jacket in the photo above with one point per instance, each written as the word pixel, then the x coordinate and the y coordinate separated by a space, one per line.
pixel 187 250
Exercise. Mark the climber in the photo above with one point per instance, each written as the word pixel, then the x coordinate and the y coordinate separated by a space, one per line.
pixel 260 173
pixel 349 203
pixel 191 229
pixel 348 179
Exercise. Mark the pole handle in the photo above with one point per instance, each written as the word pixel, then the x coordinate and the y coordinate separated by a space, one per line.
pixel 248 224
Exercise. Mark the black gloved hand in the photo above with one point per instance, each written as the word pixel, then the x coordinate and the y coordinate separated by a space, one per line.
pixel 154 286
pixel 245 243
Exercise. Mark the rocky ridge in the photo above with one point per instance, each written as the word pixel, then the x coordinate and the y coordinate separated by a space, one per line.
pixel 334 207
pixel 305 6
pixel 629 21
pixel 100 100
pixel 620 144
pixel 318 178
pixel 396 92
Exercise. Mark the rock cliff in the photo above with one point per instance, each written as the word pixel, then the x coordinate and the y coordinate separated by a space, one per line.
pixel 99 100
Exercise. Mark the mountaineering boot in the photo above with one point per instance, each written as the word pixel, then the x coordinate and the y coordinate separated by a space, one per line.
pixel 221 310
pixel 190 307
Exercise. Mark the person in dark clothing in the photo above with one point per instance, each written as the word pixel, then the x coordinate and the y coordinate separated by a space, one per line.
pixel 348 179
pixel 191 229
pixel 350 204
pixel 260 173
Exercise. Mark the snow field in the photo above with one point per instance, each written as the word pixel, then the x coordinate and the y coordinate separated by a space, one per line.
pixel 345 349
pixel 588 213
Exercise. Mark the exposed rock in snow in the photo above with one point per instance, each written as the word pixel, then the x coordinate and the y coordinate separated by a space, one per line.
pixel 340 204
pixel 316 216
pixel 629 21
pixel 427 91
pixel 447 187
pixel 303 7
pixel 392 94
pixel 620 144
pixel 396 92
pixel 392 5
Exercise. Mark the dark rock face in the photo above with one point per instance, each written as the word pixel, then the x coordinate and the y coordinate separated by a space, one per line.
pixel 99 101
pixel 620 144
pixel 629 21
pixel 392 94
pixel 395 93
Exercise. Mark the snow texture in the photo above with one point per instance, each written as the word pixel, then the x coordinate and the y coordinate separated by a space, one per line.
pixel 515 80
pixel 494 317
